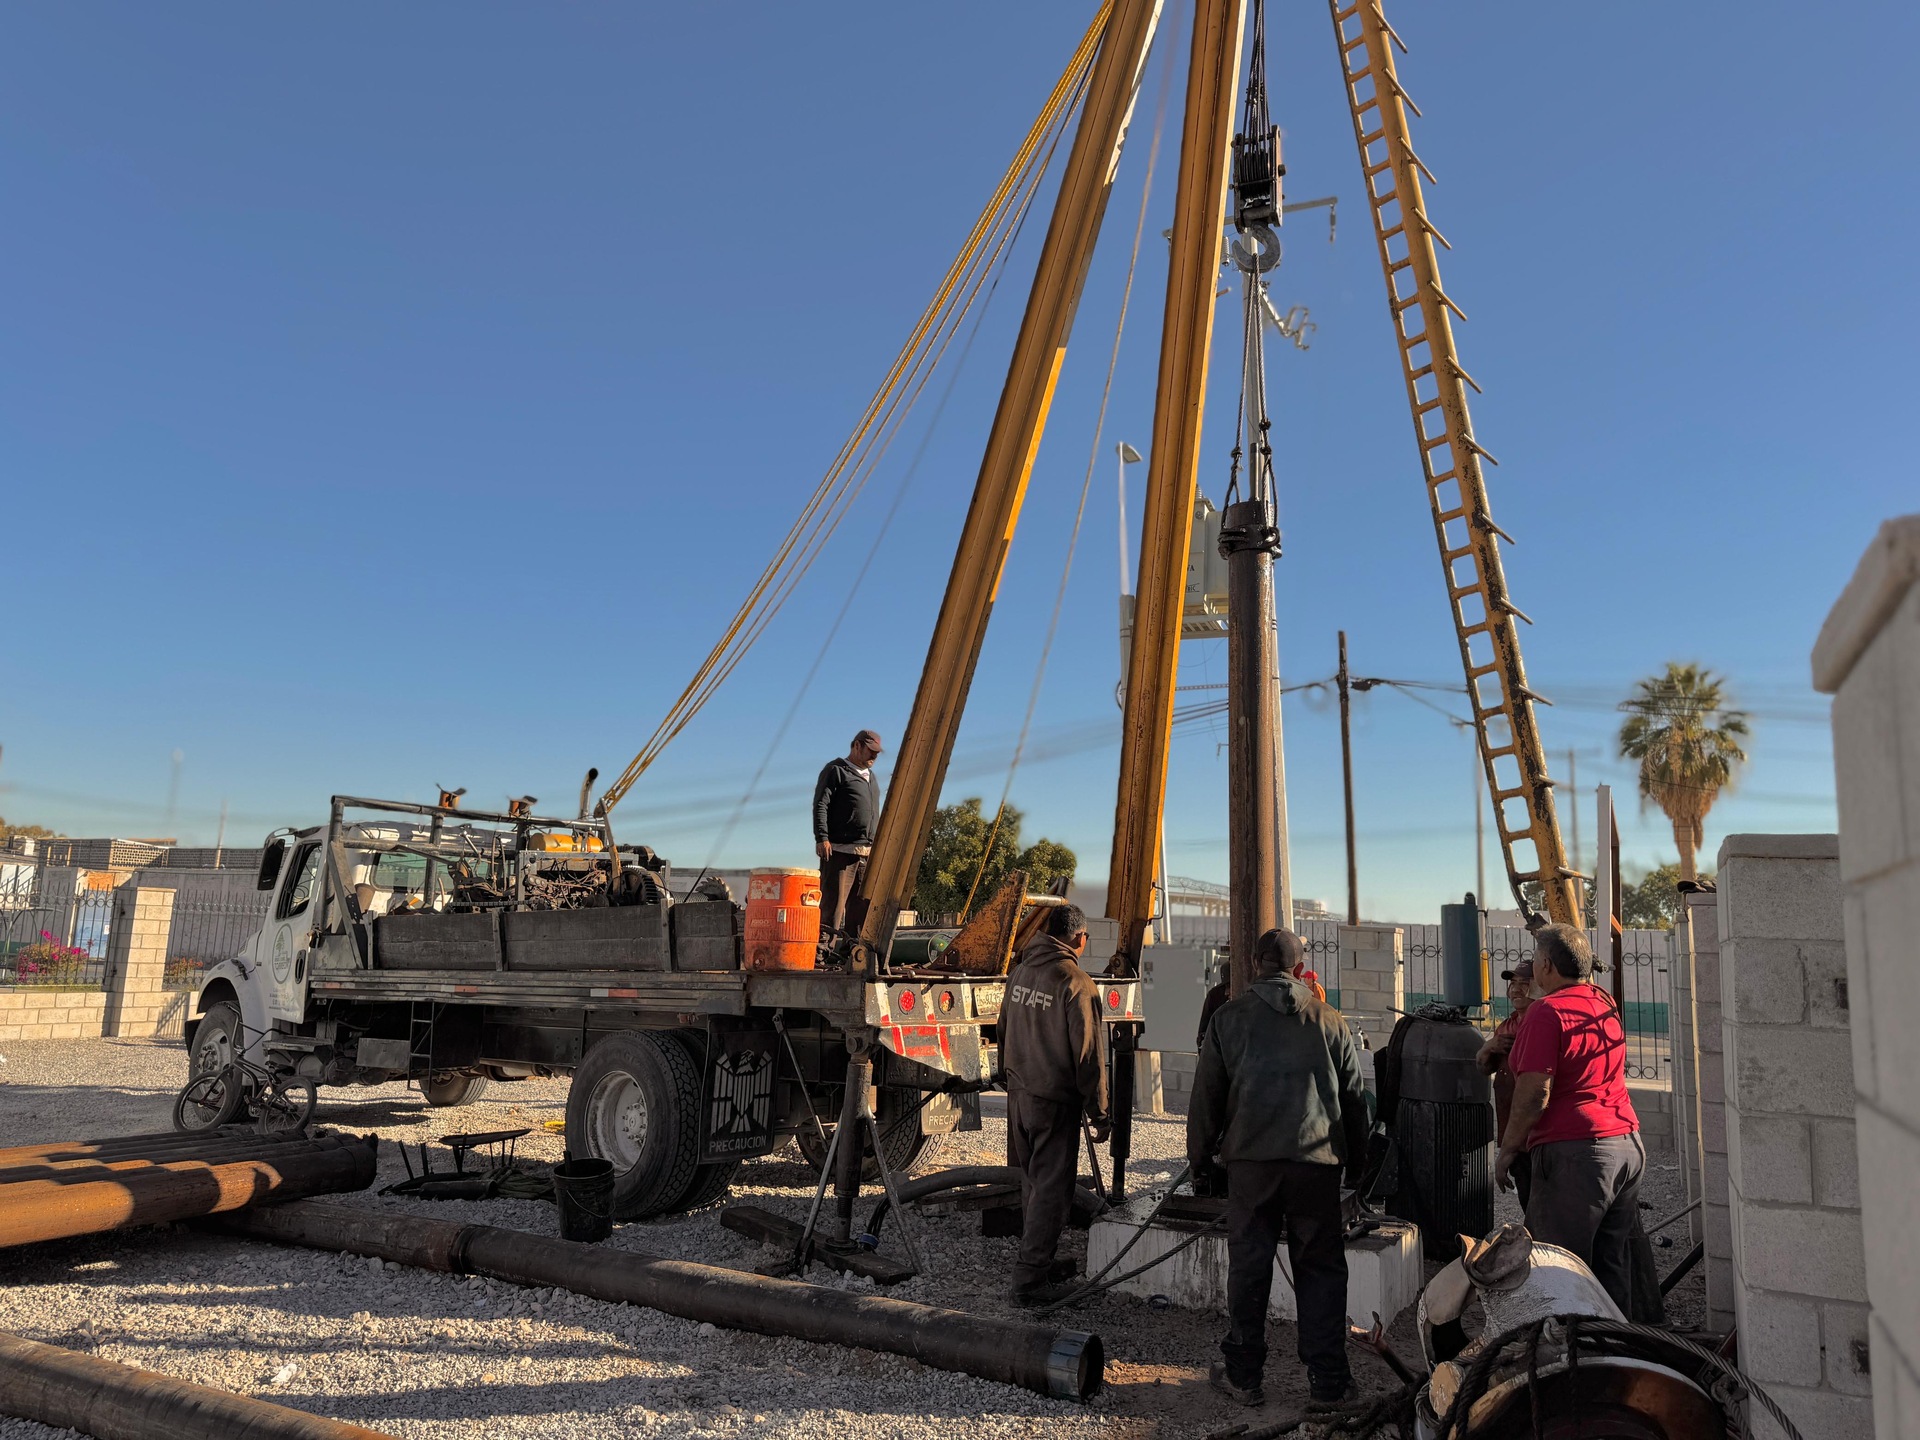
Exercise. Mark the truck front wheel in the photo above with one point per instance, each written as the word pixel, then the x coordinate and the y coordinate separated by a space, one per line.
pixel 635 1100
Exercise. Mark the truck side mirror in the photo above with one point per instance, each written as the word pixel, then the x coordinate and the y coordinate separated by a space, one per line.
pixel 271 859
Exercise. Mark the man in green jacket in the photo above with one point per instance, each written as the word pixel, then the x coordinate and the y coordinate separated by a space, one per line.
pixel 1279 1101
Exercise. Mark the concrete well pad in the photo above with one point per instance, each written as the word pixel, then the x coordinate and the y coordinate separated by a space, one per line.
pixel 1384 1267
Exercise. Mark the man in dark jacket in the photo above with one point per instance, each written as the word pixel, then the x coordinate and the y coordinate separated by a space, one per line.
pixel 1053 1054
pixel 1279 1100
pixel 846 806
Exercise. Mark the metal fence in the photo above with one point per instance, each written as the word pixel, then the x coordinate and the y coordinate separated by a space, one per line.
pixel 55 940
pixel 1644 989
pixel 48 939
pixel 208 929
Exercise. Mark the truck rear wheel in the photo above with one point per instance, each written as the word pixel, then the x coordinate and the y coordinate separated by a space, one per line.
pixel 635 1100
pixel 458 1088
pixel 907 1149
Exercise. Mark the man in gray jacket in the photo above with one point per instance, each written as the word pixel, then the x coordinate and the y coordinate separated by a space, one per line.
pixel 1053 1054
pixel 1279 1100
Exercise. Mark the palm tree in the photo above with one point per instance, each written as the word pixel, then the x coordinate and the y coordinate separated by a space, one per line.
pixel 1687 741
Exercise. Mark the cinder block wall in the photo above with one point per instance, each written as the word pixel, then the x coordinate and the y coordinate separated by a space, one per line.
pixel 1707 1156
pixel 1799 1265
pixel 138 1003
pixel 1868 658
pixel 37 1013
pixel 1373 979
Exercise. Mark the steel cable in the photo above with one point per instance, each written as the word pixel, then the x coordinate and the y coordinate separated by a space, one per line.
pixel 830 495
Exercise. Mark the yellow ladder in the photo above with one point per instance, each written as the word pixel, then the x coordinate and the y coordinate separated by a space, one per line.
pixel 1483 613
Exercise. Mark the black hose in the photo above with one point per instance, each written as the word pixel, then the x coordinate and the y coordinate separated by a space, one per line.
pixel 954 1179
pixel 1679 1272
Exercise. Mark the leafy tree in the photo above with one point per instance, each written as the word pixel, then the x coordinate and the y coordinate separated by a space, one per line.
pixel 1687 740
pixel 954 851
pixel 1653 901
pixel 31 832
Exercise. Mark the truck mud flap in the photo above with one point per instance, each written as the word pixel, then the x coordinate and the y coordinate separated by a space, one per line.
pixel 737 1109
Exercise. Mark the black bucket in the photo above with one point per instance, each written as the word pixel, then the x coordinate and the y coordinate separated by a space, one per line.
pixel 583 1190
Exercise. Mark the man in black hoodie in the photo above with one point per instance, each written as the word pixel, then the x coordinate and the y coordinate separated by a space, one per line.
pixel 1053 1054
pixel 1278 1098
pixel 846 807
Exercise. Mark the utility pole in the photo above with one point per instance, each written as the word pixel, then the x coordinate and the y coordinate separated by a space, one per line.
pixel 1250 541
pixel 1479 822
pixel 1346 780
pixel 1573 796
pixel 220 836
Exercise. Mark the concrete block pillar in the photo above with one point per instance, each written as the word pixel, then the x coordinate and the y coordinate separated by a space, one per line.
pixel 1700 1073
pixel 1373 978
pixel 1868 659
pixel 1799 1264
pixel 137 960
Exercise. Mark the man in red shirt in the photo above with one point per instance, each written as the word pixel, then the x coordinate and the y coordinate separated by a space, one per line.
pixel 1571 1115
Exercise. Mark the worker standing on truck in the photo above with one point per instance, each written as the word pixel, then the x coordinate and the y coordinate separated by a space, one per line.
pixel 1054 1059
pixel 1279 1101
pixel 846 807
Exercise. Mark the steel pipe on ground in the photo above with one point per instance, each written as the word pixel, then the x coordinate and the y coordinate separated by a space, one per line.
pixel 1066 1364
pixel 126 1146
pixel 255 1147
pixel 111 1401
pixel 90 1200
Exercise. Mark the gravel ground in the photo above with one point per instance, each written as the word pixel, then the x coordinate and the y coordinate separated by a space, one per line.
pixel 423 1355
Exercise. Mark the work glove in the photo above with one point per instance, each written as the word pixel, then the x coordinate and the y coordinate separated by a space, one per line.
pixel 1209 1179
pixel 1101 1130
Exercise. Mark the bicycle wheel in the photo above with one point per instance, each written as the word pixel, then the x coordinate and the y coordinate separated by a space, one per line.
pixel 208 1102
pixel 286 1104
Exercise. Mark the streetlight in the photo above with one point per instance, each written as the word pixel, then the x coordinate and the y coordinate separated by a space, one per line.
pixel 1128 456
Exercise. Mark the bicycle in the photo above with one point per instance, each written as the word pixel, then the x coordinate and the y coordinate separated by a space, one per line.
pixel 277 1099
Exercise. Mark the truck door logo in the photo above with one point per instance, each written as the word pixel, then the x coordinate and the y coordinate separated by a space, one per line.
pixel 283 954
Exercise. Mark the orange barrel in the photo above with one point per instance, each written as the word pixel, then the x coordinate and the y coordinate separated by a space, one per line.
pixel 783 919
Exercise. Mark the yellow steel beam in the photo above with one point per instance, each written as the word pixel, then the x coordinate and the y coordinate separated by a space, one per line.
pixel 1173 465
pixel 1483 612
pixel 920 764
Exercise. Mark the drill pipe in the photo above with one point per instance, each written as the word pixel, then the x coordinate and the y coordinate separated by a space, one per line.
pixel 119 1402
pixel 88 1201
pixel 1065 1364
pixel 251 1147
pixel 124 1147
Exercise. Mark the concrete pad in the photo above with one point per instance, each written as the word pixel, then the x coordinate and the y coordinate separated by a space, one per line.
pixel 1384 1267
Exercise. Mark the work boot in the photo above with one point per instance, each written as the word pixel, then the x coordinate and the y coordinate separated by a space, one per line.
pixel 1248 1395
pixel 1322 1400
pixel 1043 1292
pixel 1064 1270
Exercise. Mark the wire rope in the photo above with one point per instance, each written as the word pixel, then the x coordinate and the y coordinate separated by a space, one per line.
pixel 1086 483
pixel 873 551
pixel 829 498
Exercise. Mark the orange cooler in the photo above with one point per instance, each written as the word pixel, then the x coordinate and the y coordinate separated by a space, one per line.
pixel 783 919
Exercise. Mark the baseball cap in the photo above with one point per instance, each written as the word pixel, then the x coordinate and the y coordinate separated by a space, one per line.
pixel 1522 971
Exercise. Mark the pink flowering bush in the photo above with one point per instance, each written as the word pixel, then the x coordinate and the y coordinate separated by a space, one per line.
pixel 49 962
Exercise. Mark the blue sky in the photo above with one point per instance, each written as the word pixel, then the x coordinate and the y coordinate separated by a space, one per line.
pixel 401 396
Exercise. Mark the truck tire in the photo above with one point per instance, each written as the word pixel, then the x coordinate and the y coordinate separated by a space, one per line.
pixel 635 1100
pixel 216 1044
pixel 459 1088
pixel 710 1182
pixel 908 1150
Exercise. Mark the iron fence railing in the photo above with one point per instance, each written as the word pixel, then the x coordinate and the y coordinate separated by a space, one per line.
pixel 55 940
pixel 1644 990
pixel 208 929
